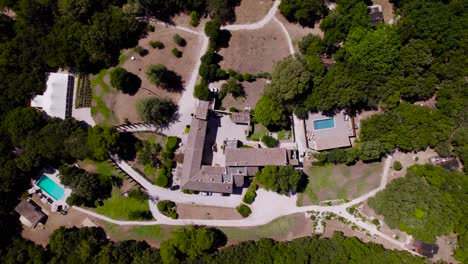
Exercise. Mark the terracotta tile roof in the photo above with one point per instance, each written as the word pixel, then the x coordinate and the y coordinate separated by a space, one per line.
pixel 241 117
pixel 30 212
pixel 194 149
pixel 202 110
pixel 258 157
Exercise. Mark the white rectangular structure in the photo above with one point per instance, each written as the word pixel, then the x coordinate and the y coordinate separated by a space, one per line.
pixel 54 100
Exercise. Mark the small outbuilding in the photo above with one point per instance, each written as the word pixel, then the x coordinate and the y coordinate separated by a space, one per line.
pixel 241 118
pixel 30 214
pixel 375 14
pixel 425 249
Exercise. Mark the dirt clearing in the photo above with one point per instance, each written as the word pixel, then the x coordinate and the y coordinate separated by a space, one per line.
pixel 253 92
pixel 40 234
pixel 296 31
pixel 122 106
pixel 335 225
pixel 250 11
pixel 254 51
pixel 187 211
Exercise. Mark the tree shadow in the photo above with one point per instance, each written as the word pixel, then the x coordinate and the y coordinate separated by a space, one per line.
pixel 133 84
pixel 172 82
pixel 127 146
pixel 223 39
pixel 303 182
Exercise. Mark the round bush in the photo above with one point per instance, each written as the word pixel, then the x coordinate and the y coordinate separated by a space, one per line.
pixel 269 141
pixel 244 210
pixel 397 165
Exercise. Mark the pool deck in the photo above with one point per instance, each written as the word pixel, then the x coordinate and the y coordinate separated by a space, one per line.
pixel 329 138
pixel 67 191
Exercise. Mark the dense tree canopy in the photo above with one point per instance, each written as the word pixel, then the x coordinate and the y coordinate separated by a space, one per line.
pixel 281 179
pixel 290 79
pixel 157 111
pixel 426 203
pixel 306 12
pixel 87 188
pixel 270 112
pixel 101 141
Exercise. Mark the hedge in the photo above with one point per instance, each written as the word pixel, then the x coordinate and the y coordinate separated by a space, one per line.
pixel 244 210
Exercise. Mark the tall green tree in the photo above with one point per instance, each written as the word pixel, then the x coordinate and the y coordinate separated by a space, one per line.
pixel 101 141
pixel 270 112
pixel 157 111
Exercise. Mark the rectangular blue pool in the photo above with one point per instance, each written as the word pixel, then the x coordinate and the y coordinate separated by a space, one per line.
pixel 324 123
pixel 50 187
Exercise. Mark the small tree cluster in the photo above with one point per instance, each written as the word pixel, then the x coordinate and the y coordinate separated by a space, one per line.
pixel 157 44
pixel 125 81
pixel 201 90
pixel 179 40
pixel 270 141
pixel 168 208
pixel 177 53
pixel 281 179
pixel 157 111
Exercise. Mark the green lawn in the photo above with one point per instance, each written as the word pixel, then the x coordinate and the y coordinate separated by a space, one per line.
pixel 99 106
pixel 118 206
pixel 117 232
pixel 279 227
pixel 332 182
pixel 105 169
pixel 282 134
pixel 259 131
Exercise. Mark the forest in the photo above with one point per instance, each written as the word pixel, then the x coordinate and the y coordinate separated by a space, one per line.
pixel 421 56
pixel 199 245
pixel 428 202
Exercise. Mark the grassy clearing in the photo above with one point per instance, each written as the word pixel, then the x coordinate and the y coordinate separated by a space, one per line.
pixel 118 206
pixel 99 106
pixel 278 228
pixel 117 232
pixel 339 182
pixel 259 131
pixel 284 134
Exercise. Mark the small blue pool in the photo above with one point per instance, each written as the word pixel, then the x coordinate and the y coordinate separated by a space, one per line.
pixel 50 187
pixel 324 123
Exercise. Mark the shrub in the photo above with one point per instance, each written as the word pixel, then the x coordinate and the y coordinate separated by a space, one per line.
pixel 171 143
pixel 233 87
pixel 201 90
pixel 179 40
pixel 269 141
pixel 244 210
pixel 264 75
pixel 254 186
pixel 397 165
pixel 159 74
pixel 140 215
pixel 125 81
pixel 157 44
pixel 249 197
pixel 376 222
pixel 187 129
pixel 149 28
pixel 168 208
pixel 141 51
pixel 138 195
pixel 248 77
pixel 177 53
pixel 194 18
pixel 233 109
pixel 162 180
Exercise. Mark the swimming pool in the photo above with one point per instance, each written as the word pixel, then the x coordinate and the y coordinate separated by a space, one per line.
pixel 324 123
pixel 50 187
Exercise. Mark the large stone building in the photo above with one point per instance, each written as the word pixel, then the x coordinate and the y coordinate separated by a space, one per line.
pixel 240 162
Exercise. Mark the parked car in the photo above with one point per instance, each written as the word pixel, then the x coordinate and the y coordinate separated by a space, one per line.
pixel 174 188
